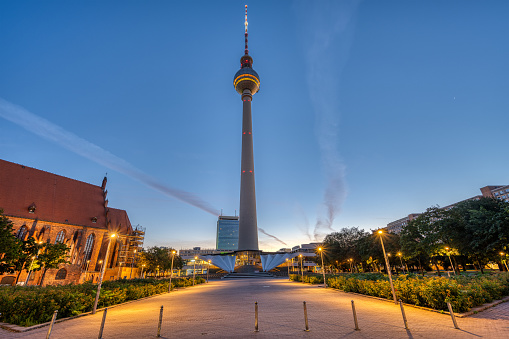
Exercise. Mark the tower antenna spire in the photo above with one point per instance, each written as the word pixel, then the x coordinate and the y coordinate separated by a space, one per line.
pixel 246 51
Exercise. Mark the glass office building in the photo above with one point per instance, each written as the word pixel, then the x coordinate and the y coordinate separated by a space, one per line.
pixel 227 233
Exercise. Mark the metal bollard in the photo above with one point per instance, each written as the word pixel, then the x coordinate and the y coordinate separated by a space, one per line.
pixel 256 316
pixel 452 316
pixel 403 313
pixel 306 317
pixel 355 317
pixel 51 325
pixel 160 321
pixel 102 324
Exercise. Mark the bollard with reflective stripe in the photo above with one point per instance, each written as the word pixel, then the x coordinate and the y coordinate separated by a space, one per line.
pixel 452 316
pixel 355 317
pixel 51 325
pixel 306 317
pixel 256 316
pixel 403 313
pixel 102 324
pixel 160 321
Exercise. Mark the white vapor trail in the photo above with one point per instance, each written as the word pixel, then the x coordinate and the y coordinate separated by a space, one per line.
pixel 330 23
pixel 272 236
pixel 72 142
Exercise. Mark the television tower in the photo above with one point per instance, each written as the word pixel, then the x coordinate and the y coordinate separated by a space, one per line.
pixel 247 83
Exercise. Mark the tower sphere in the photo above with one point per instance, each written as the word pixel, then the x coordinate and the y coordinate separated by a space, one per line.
pixel 246 77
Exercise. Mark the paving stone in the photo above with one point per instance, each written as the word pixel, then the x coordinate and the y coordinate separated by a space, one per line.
pixel 225 309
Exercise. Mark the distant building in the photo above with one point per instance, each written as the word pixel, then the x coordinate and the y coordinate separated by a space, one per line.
pixel 395 227
pixel 500 192
pixel 227 238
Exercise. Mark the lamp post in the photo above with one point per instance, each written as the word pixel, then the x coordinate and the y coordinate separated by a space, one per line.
pixel 323 268
pixel 504 261
pixel 208 269
pixel 288 266
pixel 401 261
pixel 194 268
pixel 30 270
pixel 301 268
pixel 102 273
pixel 171 271
pixel 351 269
pixel 388 267
pixel 293 268
pixel 142 267
pixel 448 254
pixel 132 263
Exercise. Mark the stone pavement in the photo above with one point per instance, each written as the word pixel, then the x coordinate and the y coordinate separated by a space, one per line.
pixel 225 309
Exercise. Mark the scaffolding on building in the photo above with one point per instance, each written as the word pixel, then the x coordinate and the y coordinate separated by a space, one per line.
pixel 131 246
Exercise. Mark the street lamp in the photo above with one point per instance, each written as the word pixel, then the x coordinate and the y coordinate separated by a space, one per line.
pixel 351 269
pixel 504 261
pixel 132 263
pixel 401 261
pixel 301 268
pixel 142 267
pixel 208 269
pixel 171 271
pixel 388 267
pixel 448 254
pixel 323 268
pixel 288 266
pixel 113 235
pixel 194 268
pixel 30 270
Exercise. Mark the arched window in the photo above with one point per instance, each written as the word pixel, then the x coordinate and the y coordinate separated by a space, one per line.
pixel 89 246
pixel 61 274
pixel 60 237
pixel 22 232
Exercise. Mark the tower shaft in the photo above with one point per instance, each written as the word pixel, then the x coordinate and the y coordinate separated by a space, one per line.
pixel 248 229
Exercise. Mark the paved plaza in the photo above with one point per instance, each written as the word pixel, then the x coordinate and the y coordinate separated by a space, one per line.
pixel 225 309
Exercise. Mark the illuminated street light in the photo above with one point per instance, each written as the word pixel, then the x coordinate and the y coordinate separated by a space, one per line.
pixel 194 268
pixel 142 267
pixel 401 261
pixel 132 263
pixel 388 267
pixel 323 268
pixel 504 261
pixel 208 269
pixel 447 251
pixel 288 266
pixel 301 268
pixel 171 271
pixel 113 235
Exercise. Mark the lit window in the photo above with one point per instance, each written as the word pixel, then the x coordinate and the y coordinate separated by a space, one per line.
pixel 60 237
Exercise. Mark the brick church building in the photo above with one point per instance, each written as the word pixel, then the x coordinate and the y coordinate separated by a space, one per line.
pixel 52 208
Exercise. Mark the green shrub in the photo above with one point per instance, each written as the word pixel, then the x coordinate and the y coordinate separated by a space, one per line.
pixel 27 306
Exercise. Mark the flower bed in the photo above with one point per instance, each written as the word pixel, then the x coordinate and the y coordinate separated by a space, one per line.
pixel 463 291
pixel 27 306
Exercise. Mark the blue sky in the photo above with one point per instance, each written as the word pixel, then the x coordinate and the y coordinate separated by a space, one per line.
pixel 368 111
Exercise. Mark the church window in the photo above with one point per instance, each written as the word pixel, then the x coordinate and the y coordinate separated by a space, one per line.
pixel 60 237
pixel 22 232
pixel 61 274
pixel 89 246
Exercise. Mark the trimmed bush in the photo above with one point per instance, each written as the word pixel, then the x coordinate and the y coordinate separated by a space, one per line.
pixel 463 291
pixel 27 306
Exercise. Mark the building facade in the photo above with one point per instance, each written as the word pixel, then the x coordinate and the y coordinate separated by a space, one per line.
pixel 52 209
pixel 500 192
pixel 227 236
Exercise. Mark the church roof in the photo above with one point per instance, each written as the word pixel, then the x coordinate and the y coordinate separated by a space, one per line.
pixel 30 193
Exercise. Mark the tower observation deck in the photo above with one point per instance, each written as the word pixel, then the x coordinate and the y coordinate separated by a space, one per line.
pixel 247 82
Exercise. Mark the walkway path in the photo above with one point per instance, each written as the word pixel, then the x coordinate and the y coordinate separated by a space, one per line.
pixel 225 309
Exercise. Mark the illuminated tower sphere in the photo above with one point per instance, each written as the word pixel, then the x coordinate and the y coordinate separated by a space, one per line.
pixel 247 83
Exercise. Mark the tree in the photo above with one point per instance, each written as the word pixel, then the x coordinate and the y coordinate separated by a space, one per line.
pixel 10 246
pixel 482 230
pixel 53 255
pixel 159 259
pixel 342 246
pixel 28 249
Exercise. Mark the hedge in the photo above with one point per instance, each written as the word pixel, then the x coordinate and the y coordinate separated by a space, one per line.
pixel 27 306
pixel 463 291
